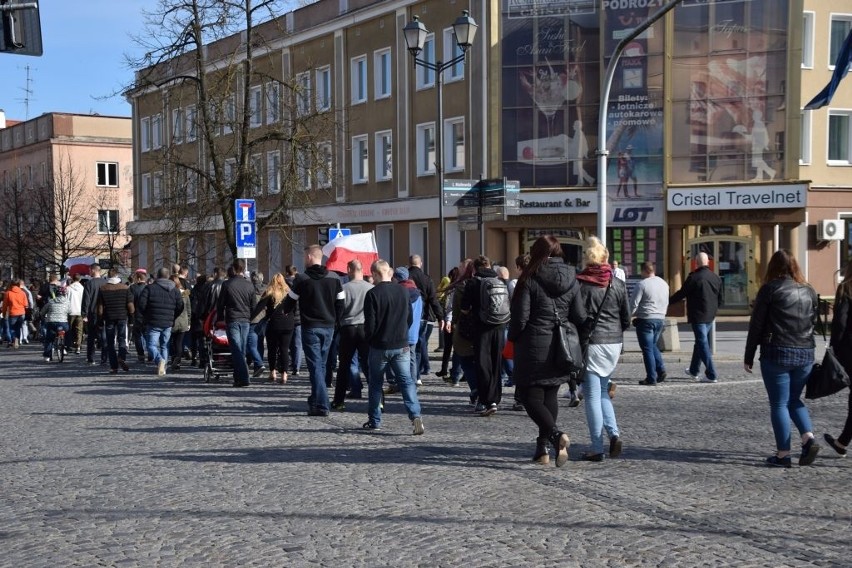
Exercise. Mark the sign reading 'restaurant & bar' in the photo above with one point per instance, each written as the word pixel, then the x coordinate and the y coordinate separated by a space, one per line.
pixel 747 197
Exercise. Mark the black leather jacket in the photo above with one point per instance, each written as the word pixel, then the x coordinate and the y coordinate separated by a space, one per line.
pixel 784 314
pixel 615 313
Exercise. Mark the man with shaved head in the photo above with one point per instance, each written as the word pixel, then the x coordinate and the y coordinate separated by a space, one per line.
pixel 703 294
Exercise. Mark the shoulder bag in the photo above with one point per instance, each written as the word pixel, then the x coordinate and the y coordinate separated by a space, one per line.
pixel 828 377
pixel 569 353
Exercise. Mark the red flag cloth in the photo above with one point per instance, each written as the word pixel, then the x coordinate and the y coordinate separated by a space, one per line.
pixel 81 269
pixel 343 249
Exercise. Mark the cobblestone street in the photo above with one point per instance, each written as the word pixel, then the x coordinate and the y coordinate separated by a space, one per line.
pixel 134 470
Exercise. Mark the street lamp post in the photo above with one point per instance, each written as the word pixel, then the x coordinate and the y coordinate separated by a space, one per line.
pixel 464 30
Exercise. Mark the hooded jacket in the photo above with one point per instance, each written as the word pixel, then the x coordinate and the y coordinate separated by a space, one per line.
pixel 320 297
pixel 115 302
pixel 416 300
pixel 161 303
pixel 236 300
pixel 533 324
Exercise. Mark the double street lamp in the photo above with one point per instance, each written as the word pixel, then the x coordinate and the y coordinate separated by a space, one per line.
pixel 415 33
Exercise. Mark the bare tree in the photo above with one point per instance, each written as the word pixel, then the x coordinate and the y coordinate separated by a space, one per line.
pixel 183 41
pixel 17 210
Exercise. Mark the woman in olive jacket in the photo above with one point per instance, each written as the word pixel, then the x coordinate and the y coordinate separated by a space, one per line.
pixel 841 342
pixel 782 323
pixel 545 285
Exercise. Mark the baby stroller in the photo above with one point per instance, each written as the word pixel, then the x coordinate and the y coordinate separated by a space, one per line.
pixel 218 354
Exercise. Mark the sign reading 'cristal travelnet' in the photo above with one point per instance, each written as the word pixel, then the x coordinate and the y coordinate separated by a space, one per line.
pixel 754 197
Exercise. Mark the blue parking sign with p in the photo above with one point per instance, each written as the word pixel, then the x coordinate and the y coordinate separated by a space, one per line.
pixel 246 234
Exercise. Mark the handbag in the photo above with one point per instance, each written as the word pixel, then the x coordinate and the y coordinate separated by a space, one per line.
pixel 569 352
pixel 826 378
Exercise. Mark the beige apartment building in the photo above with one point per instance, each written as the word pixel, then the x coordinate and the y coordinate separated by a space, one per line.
pixel 67 186
pixel 706 151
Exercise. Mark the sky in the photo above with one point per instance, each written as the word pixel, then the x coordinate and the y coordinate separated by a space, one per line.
pixel 83 66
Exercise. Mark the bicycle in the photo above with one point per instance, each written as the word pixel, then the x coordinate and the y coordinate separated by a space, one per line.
pixel 59 346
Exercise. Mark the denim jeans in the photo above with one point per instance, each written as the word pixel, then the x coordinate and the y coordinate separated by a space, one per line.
pixel 157 341
pixel 422 359
pixel 139 340
pixel 116 331
pixel 95 333
pixel 599 411
pixel 15 324
pixel 400 361
pixel 648 333
pixel 238 332
pixel 50 334
pixel 296 349
pixel 467 365
pixel 784 386
pixel 317 344
pixel 254 345
pixel 701 351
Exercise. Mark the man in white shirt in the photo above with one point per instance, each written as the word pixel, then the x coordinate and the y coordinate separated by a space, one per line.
pixel 75 312
pixel 649 304
pixel 618 272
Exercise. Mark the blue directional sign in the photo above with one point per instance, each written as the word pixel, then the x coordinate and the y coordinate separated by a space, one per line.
pixel 244 210
pixel 334 232
pixel 246 234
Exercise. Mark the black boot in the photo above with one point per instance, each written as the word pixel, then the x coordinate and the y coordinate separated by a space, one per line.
pixel 542 455
pixel 560 443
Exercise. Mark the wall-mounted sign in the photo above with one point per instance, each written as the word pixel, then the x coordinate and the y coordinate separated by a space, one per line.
pixel 747 197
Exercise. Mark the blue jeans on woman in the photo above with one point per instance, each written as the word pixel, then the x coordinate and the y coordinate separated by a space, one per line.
pixel 599 411
pixel 784 386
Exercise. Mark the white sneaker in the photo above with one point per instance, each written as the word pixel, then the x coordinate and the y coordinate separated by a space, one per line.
pixel 690 375
pixel 418 382
pixel 706 379
pixel 47 359
pixel 418 426
pixel 161 368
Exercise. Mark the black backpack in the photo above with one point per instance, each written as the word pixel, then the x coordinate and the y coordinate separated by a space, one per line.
pixel 493 301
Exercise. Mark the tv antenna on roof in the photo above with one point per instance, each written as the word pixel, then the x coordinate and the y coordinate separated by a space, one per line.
pixel 28 93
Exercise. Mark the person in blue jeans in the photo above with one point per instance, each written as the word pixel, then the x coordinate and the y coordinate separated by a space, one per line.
pixel 161 304
pixel 782 324
pixel 54 314
pixel 319 295
pixel 236 303
pixel 702 291
pixel 648 306
pixel 387 319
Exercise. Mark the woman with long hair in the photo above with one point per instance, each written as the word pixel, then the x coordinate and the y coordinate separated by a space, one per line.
pixel 605 295
pixel 782 324
pixel 461 326
pixel 546 286
pixel 446 336
pixel 841 342
pixel 279 329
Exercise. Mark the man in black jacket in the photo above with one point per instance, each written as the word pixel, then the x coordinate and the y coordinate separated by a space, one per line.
pixel 387 317
pixel 140 278
pixel 236 302
pixel 94 332
pixel 115 306
pixel 488 342
pixel 703 293
pixel 319 295
pixel 432 311
pixel 161 303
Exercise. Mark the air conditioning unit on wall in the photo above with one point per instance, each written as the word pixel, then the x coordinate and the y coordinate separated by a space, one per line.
pixel 831 230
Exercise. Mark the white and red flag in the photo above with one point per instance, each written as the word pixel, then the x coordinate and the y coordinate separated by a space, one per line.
pixel 345 248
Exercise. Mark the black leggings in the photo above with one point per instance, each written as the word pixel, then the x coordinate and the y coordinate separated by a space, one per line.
pixel 542 405
pixel 278 343
pixel 846 436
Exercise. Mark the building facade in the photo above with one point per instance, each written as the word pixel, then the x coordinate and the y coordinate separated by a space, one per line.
pixel 706 151
pixel 67 186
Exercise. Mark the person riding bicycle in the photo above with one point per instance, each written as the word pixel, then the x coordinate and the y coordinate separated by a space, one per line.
pixel 55 318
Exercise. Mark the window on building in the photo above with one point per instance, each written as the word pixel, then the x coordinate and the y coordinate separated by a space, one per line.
pixel 256 106
pixel 191 186
pixel 808 40
pixel 840 26
pixel 323 88
pixel 303 169
pixel 454 144
pixel 178 125
pixel 382 73
pixel 452 50
pixel 230 171
pixel 360 159
pixel 229 114
pixel 257 174
pixel 303 93
pixel 805 141
pixel 145 133
pixel 191 123
pixel 384 155
pixel 324 165
pixel 426 77
pixel 426 149
pixel 107 221
pixel 107 174
pixel 273 102
pixel 157 188
pixel 156 131
pixel 273 172
pixel 146 191
pixel 359 79
pixel 838 138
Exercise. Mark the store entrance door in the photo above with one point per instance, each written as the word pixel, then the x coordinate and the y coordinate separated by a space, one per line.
pixel 732 258
pixel 571 241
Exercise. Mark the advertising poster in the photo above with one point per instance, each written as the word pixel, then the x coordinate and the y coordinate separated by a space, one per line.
pixel 550 90
pixel 635 113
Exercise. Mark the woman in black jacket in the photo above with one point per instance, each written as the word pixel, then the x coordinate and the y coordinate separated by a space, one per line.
pixel 279 328
pixel 782 323
pixel 841 342
pixel 600 292
pixel 545 284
